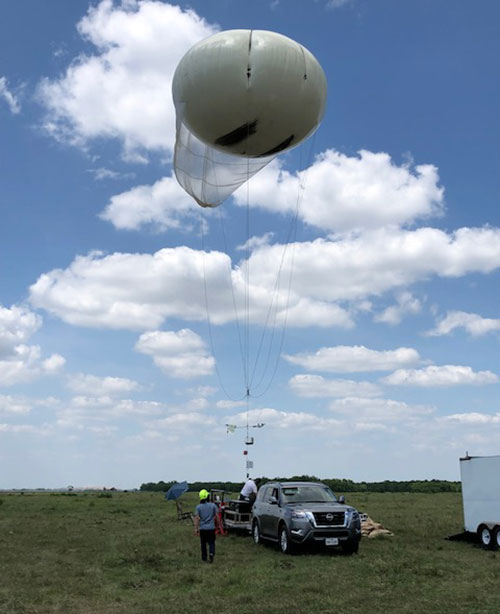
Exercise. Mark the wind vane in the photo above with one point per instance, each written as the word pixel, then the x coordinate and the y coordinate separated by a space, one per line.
pixel 231 428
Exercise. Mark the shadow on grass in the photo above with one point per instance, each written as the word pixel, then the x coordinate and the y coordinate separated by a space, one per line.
pixel 303 550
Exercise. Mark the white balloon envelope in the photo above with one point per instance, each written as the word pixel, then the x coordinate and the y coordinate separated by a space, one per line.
pixel 241 98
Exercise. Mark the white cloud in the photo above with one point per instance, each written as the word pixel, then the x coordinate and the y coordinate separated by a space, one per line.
pixel 123 91
pixel 183 421
pixel 348 416
pixel 26 363
pixel 406 304
pixel 255 242
pixel 10 98
pixel 336 4
pixel 299 311
pixel 199 391
pixel 14 405
pixel 102 174
pixel 283 420
pixel 131 407
pixel 82 383
pixel 352 359
pixel 345 193
pixel 84 402
pixel 178 354
pixel 53 364
pixel 131 290
pixel 318 386
pixel 24 428
pixel 197 404
pixel 17 325
pixel 102 412
pixel 356 267
pixel 473 323
pixel 164 205
pixel 378 410
pixel 473 418
pixel 139 291
pixel 229 404
pixel 20 362
pixel 435 376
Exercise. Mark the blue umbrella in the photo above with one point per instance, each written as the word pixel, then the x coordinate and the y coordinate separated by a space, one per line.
pixel 176 490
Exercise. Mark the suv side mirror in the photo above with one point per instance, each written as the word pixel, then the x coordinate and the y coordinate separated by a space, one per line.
pixel 342 499
pixel 273 501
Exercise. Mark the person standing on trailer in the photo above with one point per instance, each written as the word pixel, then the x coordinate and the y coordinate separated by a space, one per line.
pixel 249 491
pixel 206 520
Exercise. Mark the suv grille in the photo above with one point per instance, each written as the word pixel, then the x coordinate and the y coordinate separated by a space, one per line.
pixel 329 518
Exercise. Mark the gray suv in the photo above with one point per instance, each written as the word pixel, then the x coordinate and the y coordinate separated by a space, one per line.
pixel 293 513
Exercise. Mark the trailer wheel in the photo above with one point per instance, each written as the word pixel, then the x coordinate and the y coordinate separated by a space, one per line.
pixel 485 536
pixel 496 537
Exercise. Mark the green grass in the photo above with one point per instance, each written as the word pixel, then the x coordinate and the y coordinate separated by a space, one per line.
pixel 128 553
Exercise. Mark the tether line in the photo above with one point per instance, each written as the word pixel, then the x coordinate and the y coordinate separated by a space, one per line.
pixel 270 326
pixel 292 234
pixel 209 323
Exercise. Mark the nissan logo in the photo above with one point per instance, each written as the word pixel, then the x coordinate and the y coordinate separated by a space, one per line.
pixel 329 517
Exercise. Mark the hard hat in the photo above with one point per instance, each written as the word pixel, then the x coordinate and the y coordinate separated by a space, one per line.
pixel 204 494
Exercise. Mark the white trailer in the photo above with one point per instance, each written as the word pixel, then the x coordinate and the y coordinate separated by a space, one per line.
pixel 480 477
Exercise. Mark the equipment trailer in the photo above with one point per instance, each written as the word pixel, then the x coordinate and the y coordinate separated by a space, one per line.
pixel 481 497
pixel 235 515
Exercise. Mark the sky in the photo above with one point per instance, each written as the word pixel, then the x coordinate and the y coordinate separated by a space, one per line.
pixel 132 321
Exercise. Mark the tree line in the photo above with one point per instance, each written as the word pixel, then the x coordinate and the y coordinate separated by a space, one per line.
pixel 338 485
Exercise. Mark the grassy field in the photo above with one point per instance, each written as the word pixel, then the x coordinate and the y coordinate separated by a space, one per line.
pixel 126 552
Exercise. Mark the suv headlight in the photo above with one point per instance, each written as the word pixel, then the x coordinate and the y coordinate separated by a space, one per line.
pixel 352 516
pixel 301 515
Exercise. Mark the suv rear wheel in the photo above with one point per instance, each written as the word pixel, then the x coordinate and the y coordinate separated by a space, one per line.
pixel 256 532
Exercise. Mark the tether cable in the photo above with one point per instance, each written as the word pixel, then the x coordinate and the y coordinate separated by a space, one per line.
pixel 209 323
pixel 292 234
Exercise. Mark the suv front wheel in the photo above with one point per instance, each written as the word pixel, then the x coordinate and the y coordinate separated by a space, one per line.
pixel 284 540
pixel 351 546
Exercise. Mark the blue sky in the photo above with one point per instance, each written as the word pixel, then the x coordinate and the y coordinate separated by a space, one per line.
pixel 388 370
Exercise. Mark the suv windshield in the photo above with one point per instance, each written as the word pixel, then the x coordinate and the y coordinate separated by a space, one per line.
pixel 309 493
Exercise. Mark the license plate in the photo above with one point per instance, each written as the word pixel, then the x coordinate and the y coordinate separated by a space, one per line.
pixel 331 541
